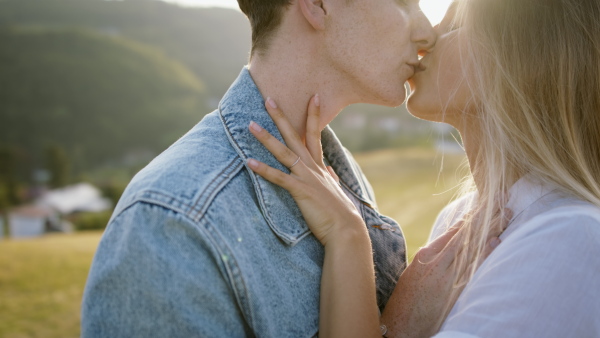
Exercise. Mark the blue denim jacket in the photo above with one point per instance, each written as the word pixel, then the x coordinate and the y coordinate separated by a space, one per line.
pixel 200 246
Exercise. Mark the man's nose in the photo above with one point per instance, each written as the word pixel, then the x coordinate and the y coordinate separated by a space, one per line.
pixel 423 34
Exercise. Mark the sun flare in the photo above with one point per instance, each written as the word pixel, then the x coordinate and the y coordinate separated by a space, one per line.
pixel 435 9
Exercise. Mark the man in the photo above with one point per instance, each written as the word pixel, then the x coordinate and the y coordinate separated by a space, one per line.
pixel 199 245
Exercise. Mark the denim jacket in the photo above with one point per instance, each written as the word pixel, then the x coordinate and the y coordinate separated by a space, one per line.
pixel 200 246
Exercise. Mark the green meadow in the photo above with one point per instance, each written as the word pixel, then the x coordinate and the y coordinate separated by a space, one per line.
pixel 42 280
pixel 412 186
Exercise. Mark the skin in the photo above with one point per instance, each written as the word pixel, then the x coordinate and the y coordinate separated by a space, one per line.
pixel 348 52
pixel 361 51
pixel 423 293
pixel 374 46
pixel 439 90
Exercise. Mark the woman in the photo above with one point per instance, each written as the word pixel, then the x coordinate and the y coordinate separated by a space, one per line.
pixel 520 81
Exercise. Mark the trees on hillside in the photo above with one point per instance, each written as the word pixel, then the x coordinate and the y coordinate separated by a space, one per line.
pixel 99 98
pixel 57 164
pixel 8 178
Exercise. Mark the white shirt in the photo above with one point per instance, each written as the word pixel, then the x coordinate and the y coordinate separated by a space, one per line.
pixel 543 280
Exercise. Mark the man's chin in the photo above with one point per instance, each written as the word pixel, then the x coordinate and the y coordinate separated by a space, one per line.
pixel 386 96
pixel 396 100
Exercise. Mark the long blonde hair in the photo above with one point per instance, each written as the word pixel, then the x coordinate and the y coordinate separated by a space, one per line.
pixel 533 67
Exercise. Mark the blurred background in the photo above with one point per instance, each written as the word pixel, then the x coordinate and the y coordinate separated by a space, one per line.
pixel 92 90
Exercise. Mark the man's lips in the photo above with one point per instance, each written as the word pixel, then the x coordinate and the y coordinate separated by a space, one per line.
pixel 417 67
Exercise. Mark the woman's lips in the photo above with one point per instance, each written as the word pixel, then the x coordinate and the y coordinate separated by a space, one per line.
pixel 416 67
pixel 420 67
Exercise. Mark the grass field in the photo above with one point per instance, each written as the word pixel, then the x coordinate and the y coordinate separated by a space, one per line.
pixel 41 284
pixel 41 280
pixel 412 186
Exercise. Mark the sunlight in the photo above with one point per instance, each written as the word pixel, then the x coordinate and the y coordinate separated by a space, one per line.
pixel 435 9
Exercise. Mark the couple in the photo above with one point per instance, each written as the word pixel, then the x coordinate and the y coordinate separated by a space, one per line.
pixel 204 242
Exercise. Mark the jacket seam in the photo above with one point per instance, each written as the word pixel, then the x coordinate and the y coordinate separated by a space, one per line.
pixel 140 197
pixel 220 179
pixel 219 246
pixel 211 192
pixel 289 239
pixel 240 289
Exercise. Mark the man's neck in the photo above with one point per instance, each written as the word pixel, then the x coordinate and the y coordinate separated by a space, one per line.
pixel 292 80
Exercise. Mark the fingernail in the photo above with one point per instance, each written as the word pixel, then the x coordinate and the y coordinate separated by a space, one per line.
pixel 271 103
pixel 255 127
pixel 494 242
pixel 252 163
pixel 317 100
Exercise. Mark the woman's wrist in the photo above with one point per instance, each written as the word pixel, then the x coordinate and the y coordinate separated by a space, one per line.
pixel 348 292
pixel 350 232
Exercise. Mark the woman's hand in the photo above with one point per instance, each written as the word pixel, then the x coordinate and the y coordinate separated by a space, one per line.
pixel 426 290
pixel 348 293
pixel 327 210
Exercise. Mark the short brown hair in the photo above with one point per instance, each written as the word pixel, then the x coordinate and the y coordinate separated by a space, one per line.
pixel 265 17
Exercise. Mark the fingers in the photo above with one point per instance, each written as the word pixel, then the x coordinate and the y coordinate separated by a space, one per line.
pixel 491 245
pixel 333 174
pixel 282 153
pixel 290 136
pixel 439 245
pixel 273 175
pixel 313 131
pixel 449 253
pixel 500 221
pixel 506 218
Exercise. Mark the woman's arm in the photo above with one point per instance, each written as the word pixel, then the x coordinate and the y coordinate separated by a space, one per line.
pixel 348 292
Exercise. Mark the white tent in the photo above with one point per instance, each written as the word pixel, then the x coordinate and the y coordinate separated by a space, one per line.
pixel 79 197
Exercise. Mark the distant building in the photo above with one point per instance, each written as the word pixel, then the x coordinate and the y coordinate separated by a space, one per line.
pixel 47 212
pixel 32 221
pixel 82 197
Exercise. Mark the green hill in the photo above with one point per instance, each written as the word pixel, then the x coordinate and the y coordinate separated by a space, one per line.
pixel 81 73
pixel 213 43
pixel 100 97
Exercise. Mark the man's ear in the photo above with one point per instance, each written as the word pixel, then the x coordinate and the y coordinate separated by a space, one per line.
pixel 314 12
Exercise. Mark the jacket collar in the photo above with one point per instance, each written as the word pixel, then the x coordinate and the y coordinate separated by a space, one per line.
pixel 243 103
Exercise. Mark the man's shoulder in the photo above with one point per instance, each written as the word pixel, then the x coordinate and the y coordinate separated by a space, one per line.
pixel 190 172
